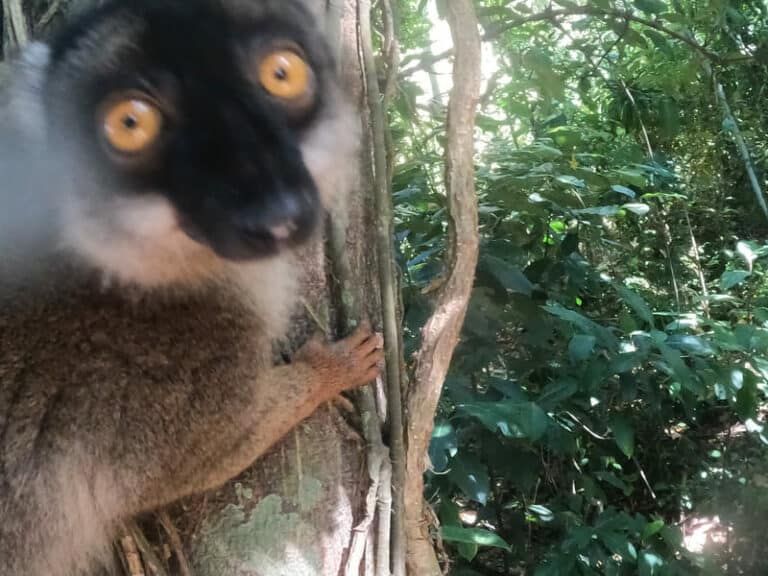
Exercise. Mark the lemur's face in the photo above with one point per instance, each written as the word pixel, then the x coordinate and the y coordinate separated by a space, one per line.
pixel 215 119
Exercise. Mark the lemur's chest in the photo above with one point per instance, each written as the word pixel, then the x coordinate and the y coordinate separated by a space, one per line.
pixel 83 327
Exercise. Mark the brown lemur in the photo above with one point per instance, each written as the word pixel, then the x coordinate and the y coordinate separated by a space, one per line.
pixel 189 149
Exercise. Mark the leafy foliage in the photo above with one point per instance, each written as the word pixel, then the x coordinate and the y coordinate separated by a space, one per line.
pixel 608 396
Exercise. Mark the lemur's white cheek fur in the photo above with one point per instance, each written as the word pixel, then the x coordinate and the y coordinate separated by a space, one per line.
pixel 329 151
pixel 148 217
pixel 137 241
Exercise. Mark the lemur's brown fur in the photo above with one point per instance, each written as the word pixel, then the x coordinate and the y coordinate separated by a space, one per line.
pixel 136 361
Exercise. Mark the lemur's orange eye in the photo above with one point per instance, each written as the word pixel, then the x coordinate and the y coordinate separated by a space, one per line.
pixel 286 75
pixel 131 124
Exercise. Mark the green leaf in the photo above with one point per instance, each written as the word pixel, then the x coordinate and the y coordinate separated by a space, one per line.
pixel 651 6
pixel 598 211
pixel 747 251
pixel 511 389
pixel 679 368
pixel 465 571
pixel 603 335
pixel 545 153
pixel 623 190
pixel 629 35
pixel 566 136
pixel 659 41
pixel 631 177
pixel 652 528
pixel 618 543
pixel 672 535
pixel 569 245
pixel 650 564
pixel 691 344
pixel 442 445
pixel 570 181
pixel 557 392
pixel 637 208
pixel 449 513
pixel 731 278
pixel 467 551
pixel 509 276
pixel 581 347
pixel 544 514
pixel 512 419
pixel 747 400
pixel 669 114
pixel 471 476
pixel 613 480
pixel 476 536
pixel 548 80
pixel 623 434
pixel 635 302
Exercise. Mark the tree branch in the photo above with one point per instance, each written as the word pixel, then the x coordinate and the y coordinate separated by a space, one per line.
pixel 426 60
pixel 384 237
pixel 15 27
pixel 136 553
pixel 741 145
pixel 441 332
pixel 53 10
pixel 175 541
pixel 347 38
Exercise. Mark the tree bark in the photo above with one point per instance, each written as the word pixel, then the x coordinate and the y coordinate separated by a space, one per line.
pixel 15 28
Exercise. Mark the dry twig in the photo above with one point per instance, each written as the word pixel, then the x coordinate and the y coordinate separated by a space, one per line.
pixel 175 540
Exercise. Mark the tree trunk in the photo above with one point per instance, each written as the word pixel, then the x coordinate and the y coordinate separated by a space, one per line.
pixel 441 332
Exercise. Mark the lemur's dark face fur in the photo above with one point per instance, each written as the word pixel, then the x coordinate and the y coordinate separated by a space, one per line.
pixel 193 130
